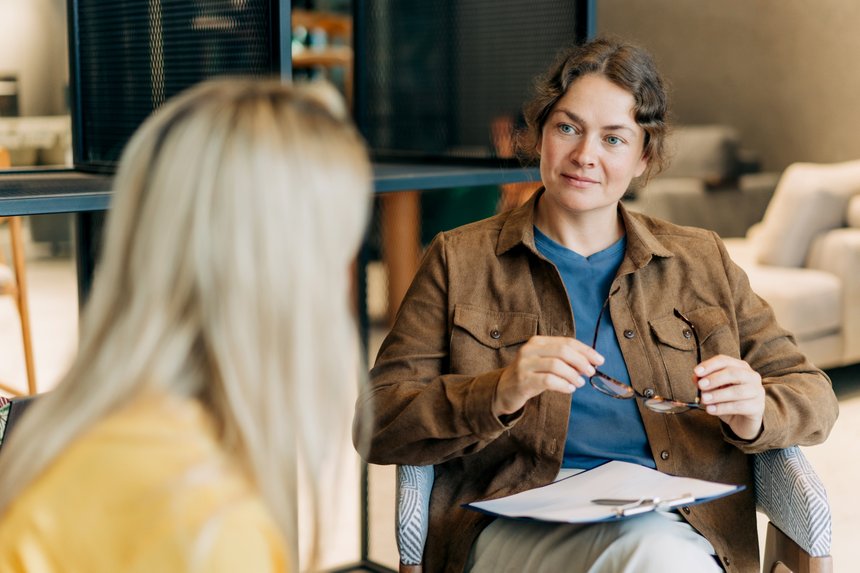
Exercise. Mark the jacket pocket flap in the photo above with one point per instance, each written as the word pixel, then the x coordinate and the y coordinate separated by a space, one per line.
pixel 495 329
pixel 674 332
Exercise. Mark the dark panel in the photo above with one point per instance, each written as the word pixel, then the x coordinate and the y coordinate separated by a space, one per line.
pixel 129 56
pixel 432 78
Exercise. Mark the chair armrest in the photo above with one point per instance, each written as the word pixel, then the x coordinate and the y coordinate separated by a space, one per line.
pixel 4 417
pixel 11 412
pixel 790 493
pixel 414 484
pixel 838 252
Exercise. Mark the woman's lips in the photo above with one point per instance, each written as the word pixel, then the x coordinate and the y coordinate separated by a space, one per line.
pixel 579 181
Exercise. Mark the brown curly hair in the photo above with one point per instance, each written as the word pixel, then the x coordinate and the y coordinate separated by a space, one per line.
pixel 626 65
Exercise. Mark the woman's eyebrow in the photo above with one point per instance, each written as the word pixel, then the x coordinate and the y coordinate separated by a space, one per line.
pixel 575 118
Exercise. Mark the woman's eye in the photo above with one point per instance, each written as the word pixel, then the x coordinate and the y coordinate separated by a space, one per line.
pixel 614 140
pixel 566 128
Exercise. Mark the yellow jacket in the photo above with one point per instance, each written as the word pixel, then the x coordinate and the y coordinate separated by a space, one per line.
pixel 146 489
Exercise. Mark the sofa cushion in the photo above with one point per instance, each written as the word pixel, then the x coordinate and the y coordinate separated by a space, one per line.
pixel 806 302
pixel 809 198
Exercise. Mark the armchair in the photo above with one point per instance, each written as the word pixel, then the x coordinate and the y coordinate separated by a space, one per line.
pixel 804 259
pixel 787 491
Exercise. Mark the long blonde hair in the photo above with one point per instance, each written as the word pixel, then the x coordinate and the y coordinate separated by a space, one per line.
pixel 238 208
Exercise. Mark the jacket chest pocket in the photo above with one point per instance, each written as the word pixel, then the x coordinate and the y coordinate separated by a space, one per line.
pixel 484 340
pixel 676 346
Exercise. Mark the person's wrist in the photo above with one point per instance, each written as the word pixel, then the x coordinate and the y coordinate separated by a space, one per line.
pixel 743 434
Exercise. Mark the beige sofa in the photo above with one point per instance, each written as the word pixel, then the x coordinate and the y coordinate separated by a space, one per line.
pixel 804 259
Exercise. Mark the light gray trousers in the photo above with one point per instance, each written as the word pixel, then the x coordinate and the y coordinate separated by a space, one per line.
pixel 656 542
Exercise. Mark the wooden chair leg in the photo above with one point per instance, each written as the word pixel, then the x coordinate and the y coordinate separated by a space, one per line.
pixel 19 262
pixel 782 555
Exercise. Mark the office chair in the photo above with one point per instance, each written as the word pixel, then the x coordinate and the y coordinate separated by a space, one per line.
pixel 787 490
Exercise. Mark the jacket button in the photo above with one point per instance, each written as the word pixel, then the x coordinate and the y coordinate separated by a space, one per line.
pixel 726 560
pixel 686 509
pixel 648 393
pixel 495 334
pixel 687 333
pixel 664 455
pixel 629 333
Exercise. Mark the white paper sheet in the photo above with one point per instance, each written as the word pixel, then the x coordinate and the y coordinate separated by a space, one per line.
pixel 569 499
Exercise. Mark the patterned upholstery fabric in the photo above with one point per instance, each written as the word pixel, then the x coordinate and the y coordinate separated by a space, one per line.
pixel 414 484
pixel 4 415
pixel 787 491
pixel 793 497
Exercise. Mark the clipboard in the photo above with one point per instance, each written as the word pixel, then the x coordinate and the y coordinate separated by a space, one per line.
pixel 612 491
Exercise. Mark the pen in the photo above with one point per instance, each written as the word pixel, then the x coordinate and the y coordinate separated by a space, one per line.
pixel 626 507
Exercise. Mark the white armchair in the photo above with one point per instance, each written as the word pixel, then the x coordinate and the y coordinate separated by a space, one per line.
pixel 804 259
pixel 787 490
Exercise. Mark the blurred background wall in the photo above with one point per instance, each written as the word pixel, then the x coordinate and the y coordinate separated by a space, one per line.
pixel 786 73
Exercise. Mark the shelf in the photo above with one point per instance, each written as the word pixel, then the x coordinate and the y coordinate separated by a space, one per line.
pixel 57 191
pixel 410 176
pixel 64 191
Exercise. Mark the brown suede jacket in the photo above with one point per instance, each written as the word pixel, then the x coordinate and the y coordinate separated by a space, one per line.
pixel 483 290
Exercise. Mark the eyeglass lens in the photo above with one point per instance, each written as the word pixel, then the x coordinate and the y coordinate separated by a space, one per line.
pixel 616 389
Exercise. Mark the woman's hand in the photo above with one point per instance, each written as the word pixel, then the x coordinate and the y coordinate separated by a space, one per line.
pixel 555 363
pixel 732 391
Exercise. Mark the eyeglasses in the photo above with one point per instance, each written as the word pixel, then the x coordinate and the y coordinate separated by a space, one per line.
pixel 617 389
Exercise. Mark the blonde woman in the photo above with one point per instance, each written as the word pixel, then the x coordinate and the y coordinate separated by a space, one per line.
pixel 215 349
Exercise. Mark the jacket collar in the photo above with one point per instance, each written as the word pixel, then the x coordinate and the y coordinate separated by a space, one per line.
pixel 642 244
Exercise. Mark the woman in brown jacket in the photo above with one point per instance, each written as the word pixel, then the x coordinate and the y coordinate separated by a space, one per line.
pixel 519 330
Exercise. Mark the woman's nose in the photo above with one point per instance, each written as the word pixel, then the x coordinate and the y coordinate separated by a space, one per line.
pixel 583 152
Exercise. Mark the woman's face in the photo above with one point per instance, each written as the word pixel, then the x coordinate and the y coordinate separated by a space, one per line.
pixel 591 146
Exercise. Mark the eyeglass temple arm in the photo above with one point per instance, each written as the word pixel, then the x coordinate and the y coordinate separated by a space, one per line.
pixel 597 327
pixel 692 326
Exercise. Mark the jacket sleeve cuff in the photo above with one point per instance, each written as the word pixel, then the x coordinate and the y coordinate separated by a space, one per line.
pixel 769 435
pixel 478 409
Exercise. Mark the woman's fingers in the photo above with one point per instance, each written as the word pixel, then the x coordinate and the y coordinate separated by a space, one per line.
pixel 547 370
pixel 733 391
pixel 578 355
pixel 558 364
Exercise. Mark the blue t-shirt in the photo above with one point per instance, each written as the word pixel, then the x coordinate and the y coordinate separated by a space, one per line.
pixel 600 428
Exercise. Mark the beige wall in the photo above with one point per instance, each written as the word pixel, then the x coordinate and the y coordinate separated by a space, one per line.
pixel 786 73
